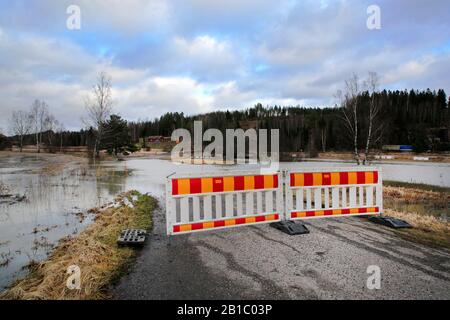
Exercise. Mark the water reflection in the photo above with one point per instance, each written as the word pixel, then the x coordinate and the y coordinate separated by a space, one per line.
pixel 52 209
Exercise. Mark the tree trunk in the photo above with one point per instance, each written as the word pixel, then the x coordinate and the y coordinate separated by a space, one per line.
pixel 369 136
pixel 94 152
pixel 324 138
pixel 355 141
pixel 97 146
pixel 37 141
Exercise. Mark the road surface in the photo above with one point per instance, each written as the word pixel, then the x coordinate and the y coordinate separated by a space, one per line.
pixel 260 262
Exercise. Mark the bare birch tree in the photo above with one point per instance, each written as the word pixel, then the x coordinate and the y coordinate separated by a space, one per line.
pixel 39 113
pixel 349 104
pixel 60 130
pixel 34 114
pixel 99 107
pixel 50 125
pixel 373 131
pixel 21 124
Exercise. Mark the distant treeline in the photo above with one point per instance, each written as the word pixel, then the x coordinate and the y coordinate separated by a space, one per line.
pixel 417 118
pixel 82 138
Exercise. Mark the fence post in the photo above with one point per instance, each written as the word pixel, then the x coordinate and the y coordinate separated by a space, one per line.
pixel 286 192
pixel 380 192
pixel 169 206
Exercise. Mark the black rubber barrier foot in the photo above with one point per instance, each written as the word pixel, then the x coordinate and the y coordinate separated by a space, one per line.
pixel 290 227
pixel 391 222
pixel 132 237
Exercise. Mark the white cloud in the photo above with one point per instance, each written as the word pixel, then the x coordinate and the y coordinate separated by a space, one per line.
pixel 62 74
pixel 154 96
pixel 229 95
pixel 207 58
pixel 409 70
pixel 125 16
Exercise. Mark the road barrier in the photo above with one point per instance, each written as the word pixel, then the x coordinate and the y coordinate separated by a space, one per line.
pixel 202 202
pixel 333 192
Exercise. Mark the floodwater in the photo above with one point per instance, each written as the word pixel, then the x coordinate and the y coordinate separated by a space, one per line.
pixel 149 174
pixel 56 205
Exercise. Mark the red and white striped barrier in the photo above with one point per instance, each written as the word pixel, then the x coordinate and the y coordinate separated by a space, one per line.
pixel 204 202
pixel 333 192
pixel 199 203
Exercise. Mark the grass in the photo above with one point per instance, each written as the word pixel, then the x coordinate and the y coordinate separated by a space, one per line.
pixel 427 230
pixel 426 208
pixel 418 186
pixel 94 250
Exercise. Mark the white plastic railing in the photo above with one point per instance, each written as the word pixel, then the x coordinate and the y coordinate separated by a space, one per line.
pixel 201 202
pixel 320 193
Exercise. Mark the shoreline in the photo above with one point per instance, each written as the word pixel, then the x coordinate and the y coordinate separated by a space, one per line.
pixel 393 162
pixel 95 251
pixel 338 157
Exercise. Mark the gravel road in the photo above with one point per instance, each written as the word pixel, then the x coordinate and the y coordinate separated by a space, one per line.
pixel 259 262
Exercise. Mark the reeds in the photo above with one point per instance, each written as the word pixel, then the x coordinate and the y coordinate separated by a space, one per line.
pixel 426 209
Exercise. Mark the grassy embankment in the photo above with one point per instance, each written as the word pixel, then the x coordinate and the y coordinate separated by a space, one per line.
pixel 94 250
pixel 425 207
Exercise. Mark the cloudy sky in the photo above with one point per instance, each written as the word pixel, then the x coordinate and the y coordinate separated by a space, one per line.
pixel 201 55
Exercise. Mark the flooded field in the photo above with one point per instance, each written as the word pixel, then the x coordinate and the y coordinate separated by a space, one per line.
pixel 47 207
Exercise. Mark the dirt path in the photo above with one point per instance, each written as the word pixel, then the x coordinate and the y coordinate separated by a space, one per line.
pixel 262 263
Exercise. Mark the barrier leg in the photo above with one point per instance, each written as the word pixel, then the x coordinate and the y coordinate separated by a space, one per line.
pixel 390 222
pixel 290 227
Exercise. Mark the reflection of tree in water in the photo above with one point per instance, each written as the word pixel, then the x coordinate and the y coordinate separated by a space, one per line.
pixel 111 179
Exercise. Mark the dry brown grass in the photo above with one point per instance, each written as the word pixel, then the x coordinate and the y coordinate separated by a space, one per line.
pixel 423 209
pixel 94 250
pixel 414 195
pixel 428 230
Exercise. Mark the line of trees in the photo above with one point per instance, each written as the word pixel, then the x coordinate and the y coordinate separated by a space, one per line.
pixel 37 122
pixel 364 118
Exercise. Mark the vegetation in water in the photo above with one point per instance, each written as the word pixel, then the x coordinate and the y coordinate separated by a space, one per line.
pixel 427 208
pixel 94 251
